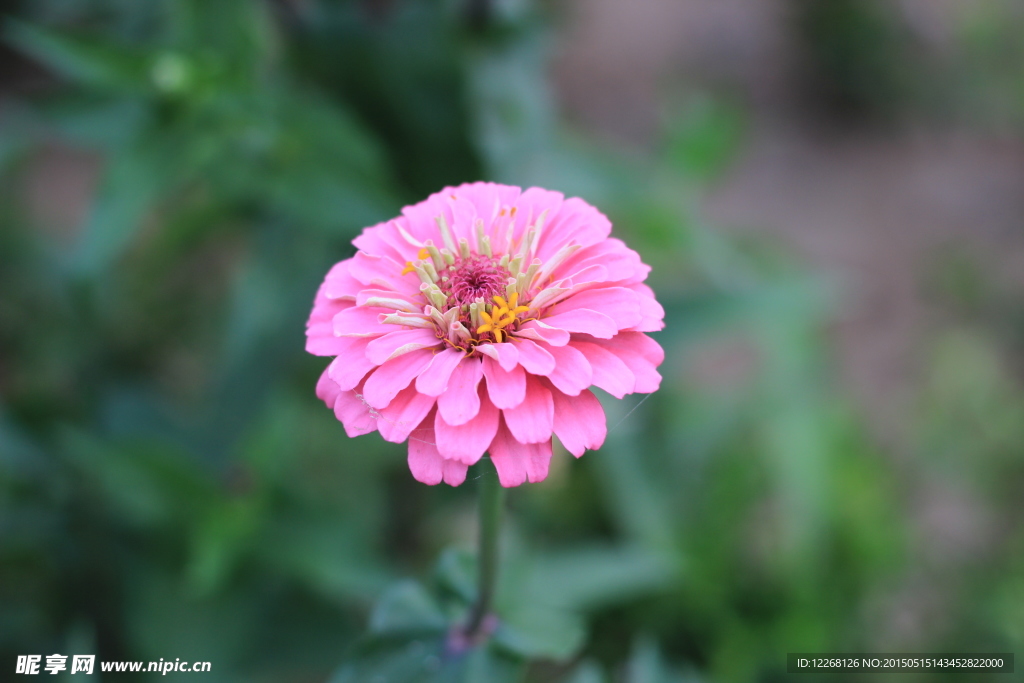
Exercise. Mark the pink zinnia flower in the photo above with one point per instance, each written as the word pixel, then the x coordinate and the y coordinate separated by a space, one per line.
pixel 477 321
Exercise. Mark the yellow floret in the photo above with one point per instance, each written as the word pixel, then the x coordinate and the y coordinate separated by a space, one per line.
pixel 409 267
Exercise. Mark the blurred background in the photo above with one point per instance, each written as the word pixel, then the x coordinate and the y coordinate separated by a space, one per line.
pixel 831 195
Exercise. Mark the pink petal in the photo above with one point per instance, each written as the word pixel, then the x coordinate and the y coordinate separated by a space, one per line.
pixel 425 463
pixel 360 321
pixel 396 422
pixel 575 220
pixel 584 279
pixel 382 272
pixel 623 264
pixel 365 295
pixel 384 239
pixel 424 432
pixel 327 389
pixel 618 303
pixel 320 337
pixel 467 442
pixel 454 472
pixel 531 204
pixel 572 372
pixel 635 343
pixel 506 389
pixel 349 368
pixel 395 344
pixel 464 215
pixel 419 233
pixel 641 354
pixel 543 332
pixel 610 373
pixel 320 340
pixel 461 401
pixel 651 312
pixel 339 283
pixel 579 422
pixel 486 196
pixel 648 380
pixel 588 278
pixel 355 415
pixel 517 462
pixel 584 321
pixel 643 290
pixel 532 420
pixel 506 354
pixel 434 380
pixel 619 266
pixel 388 379
pixel 420 218
pixel 535 358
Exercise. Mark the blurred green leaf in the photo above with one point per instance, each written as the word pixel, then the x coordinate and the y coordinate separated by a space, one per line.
pixel 590 577
pixel 703 139
pixel 144 483
pixel 214 628
pixel 407 607
pixel 514 122
pixel 587 672
pixel 134 180
pixel 541 633
pixel 646 665
pixel 643 509
pixel 328 556
pixel 398 660
pixel 105 124
pixel 221 538
pixel 456 571
pixel 90 61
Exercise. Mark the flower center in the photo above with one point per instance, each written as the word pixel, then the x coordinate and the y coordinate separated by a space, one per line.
pixel 476 277
pixel 477 294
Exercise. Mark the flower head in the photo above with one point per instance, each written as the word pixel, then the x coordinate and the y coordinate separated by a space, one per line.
pixel 477 321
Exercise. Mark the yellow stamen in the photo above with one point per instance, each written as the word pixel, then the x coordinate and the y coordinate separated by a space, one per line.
pixel 409 267
pixel 503 313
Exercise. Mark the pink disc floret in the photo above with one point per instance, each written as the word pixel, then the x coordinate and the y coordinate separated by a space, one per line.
pixel 476 277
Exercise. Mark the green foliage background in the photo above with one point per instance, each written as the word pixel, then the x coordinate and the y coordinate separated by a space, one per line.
pixel 171 488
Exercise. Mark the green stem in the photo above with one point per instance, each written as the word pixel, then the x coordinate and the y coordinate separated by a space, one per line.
pixel 492 501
